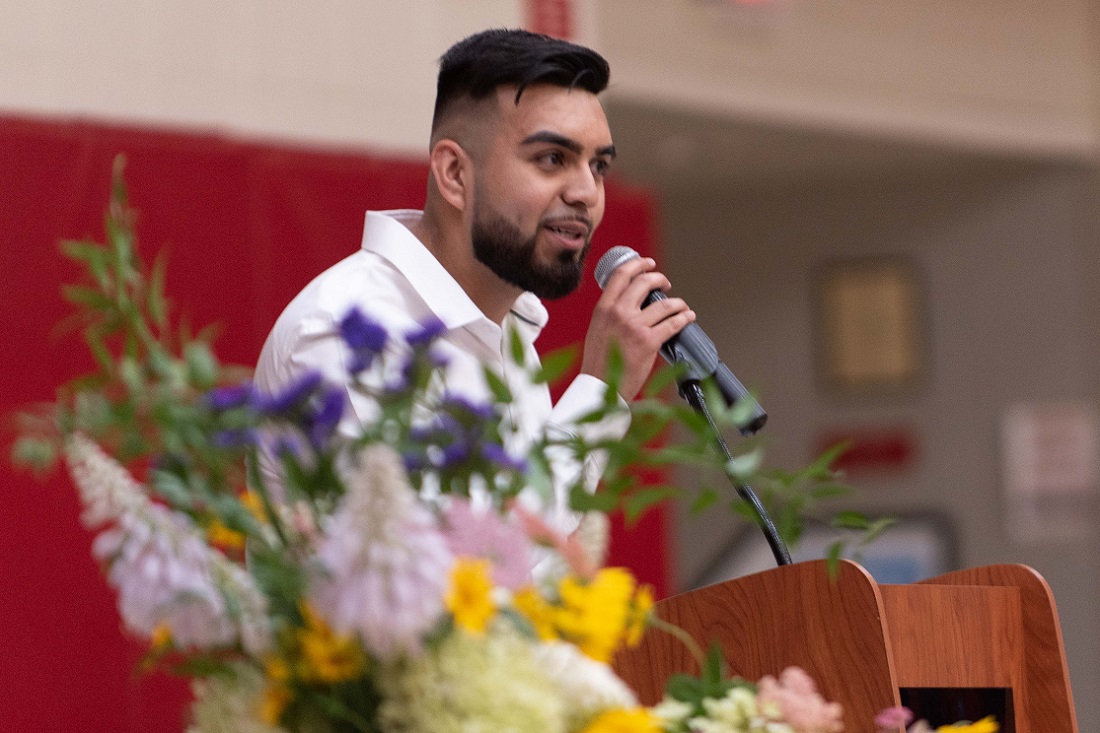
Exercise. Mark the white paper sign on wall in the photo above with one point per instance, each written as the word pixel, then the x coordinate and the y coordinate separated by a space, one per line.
pixel 1050 455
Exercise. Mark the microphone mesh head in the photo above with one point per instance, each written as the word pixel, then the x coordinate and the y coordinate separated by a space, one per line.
pixel 611 261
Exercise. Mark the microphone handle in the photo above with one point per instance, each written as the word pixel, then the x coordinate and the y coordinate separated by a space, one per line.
pixel 694 348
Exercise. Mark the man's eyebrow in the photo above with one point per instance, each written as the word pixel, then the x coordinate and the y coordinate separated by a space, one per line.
pixel 554 138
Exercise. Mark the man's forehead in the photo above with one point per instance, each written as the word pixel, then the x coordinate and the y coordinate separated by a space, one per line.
pixel 553 108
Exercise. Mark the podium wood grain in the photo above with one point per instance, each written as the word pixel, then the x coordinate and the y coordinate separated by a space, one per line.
pixel 793 615
pixel 862 642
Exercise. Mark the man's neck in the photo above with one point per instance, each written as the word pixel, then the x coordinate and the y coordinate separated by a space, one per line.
pixel 453 250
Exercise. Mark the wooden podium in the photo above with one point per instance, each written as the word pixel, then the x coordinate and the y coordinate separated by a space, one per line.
pixel 958 646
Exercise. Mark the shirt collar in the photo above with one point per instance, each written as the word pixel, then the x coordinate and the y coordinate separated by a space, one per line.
pixel 386 233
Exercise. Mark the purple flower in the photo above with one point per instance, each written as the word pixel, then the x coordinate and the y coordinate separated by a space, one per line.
pixel 496 454
pixel 438 359
pixel 227 398
pixel 461 407
pixel 454 454
pixel 287 445
pixel 429 331
pixel 322 423
pixel 366 339
pixel 414 461
pixel 293 396
pixel 234 438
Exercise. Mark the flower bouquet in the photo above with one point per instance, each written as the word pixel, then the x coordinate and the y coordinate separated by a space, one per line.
pixel 389 581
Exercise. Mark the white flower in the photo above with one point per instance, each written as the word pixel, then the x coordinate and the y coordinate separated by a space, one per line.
pixel 107 490
pixel 162 575
pixel 594 534
pixel 591 687
pixel 159 561
pixel 671 712
pixel 226 703
pixel 734 713
pixel 384 565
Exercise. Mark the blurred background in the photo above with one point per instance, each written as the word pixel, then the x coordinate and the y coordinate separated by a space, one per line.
pixel 886 215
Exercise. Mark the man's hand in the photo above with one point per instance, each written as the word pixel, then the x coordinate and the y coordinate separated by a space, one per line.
pixel 638 332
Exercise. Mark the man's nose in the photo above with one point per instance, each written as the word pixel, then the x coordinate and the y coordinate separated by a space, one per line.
pixel 582 188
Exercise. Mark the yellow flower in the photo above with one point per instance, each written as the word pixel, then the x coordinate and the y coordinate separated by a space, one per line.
pixel 621 720
pixel 639 615
pixel 276 669
pixel 470 596
pixel 326 655
pixel 277 694
pixel 224 537
pixel 535 609
pixel 593 615
pixel 161 638
pixel 273 702
pixel 986 725
pixel 255 505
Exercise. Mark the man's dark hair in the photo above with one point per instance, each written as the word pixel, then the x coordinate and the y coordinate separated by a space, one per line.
pixel 475 66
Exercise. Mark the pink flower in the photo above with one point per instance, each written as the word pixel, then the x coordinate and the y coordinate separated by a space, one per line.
pixel 484 534
pixel 384 565
pixel 570 548
pixel 799 705
pixel 163 577
pixel 894 718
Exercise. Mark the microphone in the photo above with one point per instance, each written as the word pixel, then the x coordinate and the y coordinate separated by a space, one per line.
pixel 691 347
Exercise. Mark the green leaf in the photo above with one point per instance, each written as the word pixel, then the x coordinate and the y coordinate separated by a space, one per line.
pixel 829 491
pixel 614 376
pixel 875 529
pixel 832 559
pixel 172 489
pixel 155 299
pixel 635 505
pixel 38 454
pixel 86 296
pixel 744 466
pixel 515 343
pixel 95 338
pixel 685 688
pixel 704 501
pixel 850 520
pixel 501 393
pixel 202 365
pixel 582 501
pixel 659 381
pixel 555 364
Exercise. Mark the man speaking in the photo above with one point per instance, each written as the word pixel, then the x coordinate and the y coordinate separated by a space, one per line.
pixel 520 147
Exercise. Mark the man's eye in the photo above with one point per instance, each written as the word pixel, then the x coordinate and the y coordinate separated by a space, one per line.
pixel 553 158
pixel 601 167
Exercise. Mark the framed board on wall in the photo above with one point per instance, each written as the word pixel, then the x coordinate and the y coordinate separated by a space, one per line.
pixel 871 324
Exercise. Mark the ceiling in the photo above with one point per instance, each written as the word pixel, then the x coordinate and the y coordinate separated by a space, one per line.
pixel 677 149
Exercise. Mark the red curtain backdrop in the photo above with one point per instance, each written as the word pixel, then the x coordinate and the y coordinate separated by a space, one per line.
pixel 247 225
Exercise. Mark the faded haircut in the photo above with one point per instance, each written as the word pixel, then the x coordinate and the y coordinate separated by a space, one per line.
pixel 477 65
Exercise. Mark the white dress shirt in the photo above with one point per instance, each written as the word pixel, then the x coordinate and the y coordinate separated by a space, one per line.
pixel 397 282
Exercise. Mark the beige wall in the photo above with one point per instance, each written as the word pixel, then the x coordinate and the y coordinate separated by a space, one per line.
pixel 1007 75
pixel 343 71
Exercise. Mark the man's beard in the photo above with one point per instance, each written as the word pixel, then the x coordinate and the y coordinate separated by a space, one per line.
pixel 502 247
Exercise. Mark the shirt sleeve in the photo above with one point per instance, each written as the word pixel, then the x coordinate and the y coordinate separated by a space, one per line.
pixel 585 395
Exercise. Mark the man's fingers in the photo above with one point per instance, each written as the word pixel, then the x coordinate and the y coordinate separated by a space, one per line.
pixel 672 325
pixel 625 274
pixel 660 310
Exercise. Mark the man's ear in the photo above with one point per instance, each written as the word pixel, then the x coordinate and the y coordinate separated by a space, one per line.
pixel 452 170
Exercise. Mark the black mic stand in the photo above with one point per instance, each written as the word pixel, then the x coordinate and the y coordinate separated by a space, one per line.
pixel 692 391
